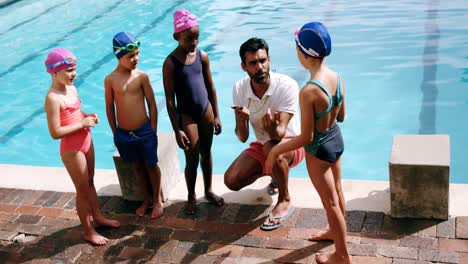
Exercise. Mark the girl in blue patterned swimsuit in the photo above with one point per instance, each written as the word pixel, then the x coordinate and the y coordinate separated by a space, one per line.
pixel 322 104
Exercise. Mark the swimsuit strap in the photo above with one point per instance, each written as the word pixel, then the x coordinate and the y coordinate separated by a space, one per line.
pixel 339 96
pixel 330 100
pixel 197 58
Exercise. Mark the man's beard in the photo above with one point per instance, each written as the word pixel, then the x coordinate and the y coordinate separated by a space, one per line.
pixel 260 80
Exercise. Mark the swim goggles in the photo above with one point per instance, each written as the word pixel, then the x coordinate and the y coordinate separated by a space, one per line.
pixel 128 47
pixel 67 61
pixel 185 18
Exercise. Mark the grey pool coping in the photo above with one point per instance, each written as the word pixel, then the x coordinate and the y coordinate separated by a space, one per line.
pixel 359 194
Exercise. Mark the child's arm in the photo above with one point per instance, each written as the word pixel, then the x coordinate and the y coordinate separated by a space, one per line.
pixel 341 114
pixel 150 101
pixel 110 108
pixel 73 88
pixel 306 98
pixel 52 109
pixel 211 91
pixel 168 82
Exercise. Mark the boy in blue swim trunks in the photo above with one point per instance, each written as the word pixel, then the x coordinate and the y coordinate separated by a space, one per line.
pixel 126 90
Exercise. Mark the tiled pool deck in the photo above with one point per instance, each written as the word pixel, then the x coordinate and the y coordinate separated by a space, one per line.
pixel 229 234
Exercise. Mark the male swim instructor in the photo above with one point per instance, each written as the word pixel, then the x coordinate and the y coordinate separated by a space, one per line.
pixel 270 102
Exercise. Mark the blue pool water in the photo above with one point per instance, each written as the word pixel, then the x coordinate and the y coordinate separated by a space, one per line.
pixel 405 64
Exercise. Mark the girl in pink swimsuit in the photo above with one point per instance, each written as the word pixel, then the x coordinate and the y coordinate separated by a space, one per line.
pixel 68 123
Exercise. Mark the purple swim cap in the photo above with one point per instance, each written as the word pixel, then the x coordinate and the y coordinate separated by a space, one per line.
pixel 183 20
pixel 314 40
pixel 59 59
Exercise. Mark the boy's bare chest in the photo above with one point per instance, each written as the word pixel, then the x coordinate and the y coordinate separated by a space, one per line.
pixel 128 87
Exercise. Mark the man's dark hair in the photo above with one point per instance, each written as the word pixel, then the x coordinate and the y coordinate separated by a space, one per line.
pixel 252 45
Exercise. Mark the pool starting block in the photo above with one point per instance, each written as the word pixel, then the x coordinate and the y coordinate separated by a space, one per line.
pixel 168 163
pixel 420 176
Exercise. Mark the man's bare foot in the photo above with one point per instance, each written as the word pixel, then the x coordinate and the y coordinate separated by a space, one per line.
pixel 332 258
pixel 106 222
pixel 321 236
pixel 214 199
pixel 191 206
pixel 157 210
pixel 95 238
pixel 142 209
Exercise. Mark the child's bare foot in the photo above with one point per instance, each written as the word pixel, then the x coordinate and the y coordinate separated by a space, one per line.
pixel 214 199
pixel 142 209
pixel 191 206
pixel 106 222
pixel 321 236
pixel 157 210
pixel 332 258
pixel 95 238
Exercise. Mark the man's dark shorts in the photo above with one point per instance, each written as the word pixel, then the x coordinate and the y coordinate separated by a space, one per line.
pixel 138 145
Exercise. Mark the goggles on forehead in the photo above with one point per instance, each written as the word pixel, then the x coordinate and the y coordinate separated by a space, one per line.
pixel 308 51
pixel 128 47
pixel 186 18
pixel 67 61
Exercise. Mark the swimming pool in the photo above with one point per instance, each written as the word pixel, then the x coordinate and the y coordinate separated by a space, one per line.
pixel 405 64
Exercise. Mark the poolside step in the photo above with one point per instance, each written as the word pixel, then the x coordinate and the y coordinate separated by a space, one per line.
pixel 168 163
pixel 419 176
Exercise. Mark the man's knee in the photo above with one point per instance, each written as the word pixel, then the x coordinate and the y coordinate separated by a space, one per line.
pixel 231 182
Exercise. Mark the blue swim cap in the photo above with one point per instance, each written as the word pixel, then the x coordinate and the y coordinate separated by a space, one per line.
pixel 314 40
pixel 120 42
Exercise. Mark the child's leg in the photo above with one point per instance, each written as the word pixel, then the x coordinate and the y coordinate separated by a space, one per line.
pixel 336 170
pixel 191 161
pixel 323 180
pixel 98 217
pixel 145 187
pixel 75 163
pixel 155 178
pixel 206 130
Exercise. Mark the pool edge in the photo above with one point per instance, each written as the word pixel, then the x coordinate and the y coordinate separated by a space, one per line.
pixel 359 194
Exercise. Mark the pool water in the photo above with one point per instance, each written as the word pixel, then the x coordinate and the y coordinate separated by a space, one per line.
pixel 405 65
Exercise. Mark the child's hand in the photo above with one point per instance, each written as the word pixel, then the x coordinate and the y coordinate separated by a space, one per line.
pixel 182 140
pixel 270 161
pixel 217 126
pixel 89 121
pixel 95 116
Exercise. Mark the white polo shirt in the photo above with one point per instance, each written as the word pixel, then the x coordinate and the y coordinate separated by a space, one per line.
pixel 281 96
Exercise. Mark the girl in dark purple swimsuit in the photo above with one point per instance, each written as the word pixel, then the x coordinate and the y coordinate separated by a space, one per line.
pixel 192 105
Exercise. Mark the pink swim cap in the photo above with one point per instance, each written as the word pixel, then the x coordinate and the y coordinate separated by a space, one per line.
pixel 59 59
pixel 183 20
